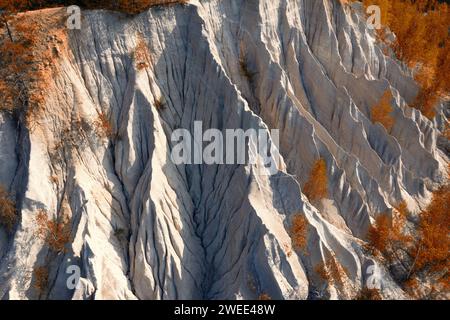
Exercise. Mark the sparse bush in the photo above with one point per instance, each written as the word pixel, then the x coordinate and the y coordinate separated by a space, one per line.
pixel 382 112
pixel 369 294
pixel 103 126
pixel 56 234
pixel 40 279
pixel 331 271
pixel 8 215
pixel 127 6
pixel 54 179
pixel 141 55
pixel 316 187
pixel 245 71
pixel 160 103
pixel 299 232
pixel 121 235
pixel 136 6
pixel 264 296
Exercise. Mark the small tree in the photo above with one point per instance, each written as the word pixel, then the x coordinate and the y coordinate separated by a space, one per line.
pixel 424 252
pixel 331 271
pixel 387 237
pixel 316 187
pixel 299 232
pixel 430 255
pixel 40 279
pixel 382 111
pixel 8 215
pixel 379 234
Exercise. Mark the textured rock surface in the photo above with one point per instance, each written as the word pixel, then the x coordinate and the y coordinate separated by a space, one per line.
pixel 143 228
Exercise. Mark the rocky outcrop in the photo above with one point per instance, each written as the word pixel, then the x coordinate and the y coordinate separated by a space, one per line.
pixel 144 228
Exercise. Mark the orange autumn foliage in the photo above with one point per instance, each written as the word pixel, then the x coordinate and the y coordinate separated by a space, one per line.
pixel 264 296
pixel 331 271
pixel 8 215
pixel 56 234
pixel 40 279
pixel 299 232
pixel 378 234
pixel 136 6
pixel 316 187
pixel 24 60
pixel 422 41
pixel 424 252
pixel 432 252
pixel 430 255
pixel 141 55
pixel 103 126
pixel 387 235
pixel 381 113
pixel 127 6
pixel 369 294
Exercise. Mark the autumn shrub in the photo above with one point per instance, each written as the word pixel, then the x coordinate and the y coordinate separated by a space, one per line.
pixel 24 67
pixel 40 279
pixel 331 271
pixel 422 42
pixel 127 6
pixel 26 57
pixel 316 187
pixel 299 231
pixel 423 253
pixel 103 126
pixel 160 103
pixel 369 294
pixel 430 255
pixel 131 6
pixel 141 55
pixel 387 236
pixel 56 234
pixel 382 112
pixel 8 215
pixel 264 296
pixel 378 235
